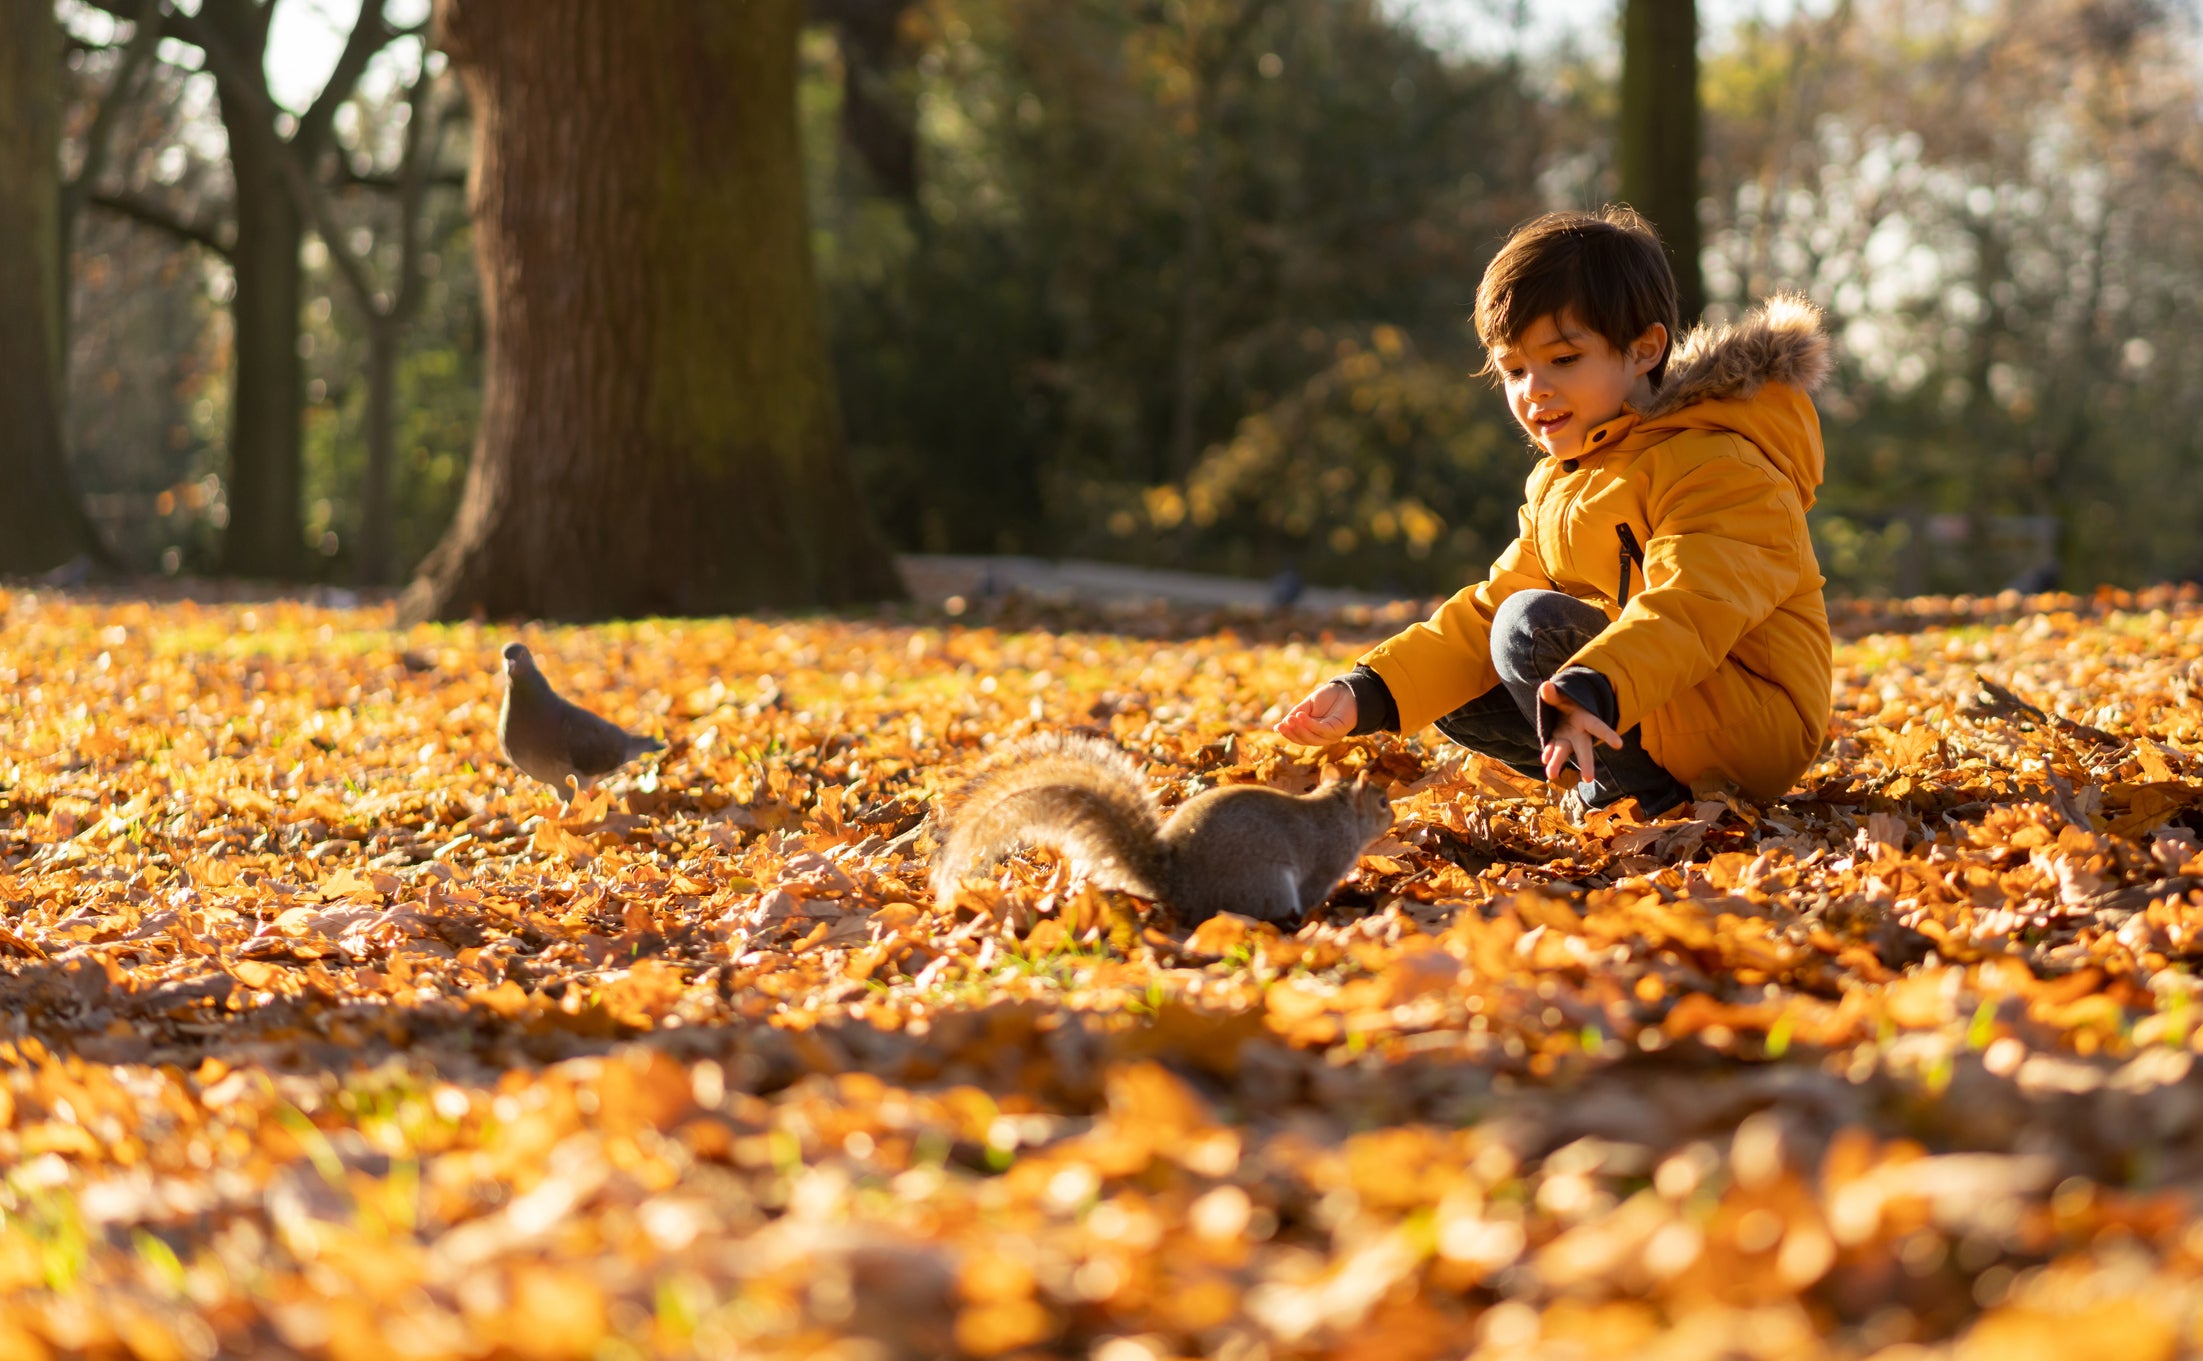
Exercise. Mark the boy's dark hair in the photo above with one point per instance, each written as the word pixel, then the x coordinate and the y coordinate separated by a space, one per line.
pixel 1607 268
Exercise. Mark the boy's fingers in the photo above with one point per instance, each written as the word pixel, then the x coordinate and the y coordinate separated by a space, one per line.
pixel 1600 730
pixel 1324 716
pixel 1565 750
pixel 1551 694
pixel 1570 746
pixel 1310 725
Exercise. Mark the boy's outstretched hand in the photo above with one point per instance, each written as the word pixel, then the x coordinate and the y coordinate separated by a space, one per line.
pixel 1570 744
pixel 1324 717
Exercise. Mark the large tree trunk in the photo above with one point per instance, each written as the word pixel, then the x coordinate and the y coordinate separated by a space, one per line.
pixel 659 427
pixel 267 400
pixel 41 523
pixel 1658 138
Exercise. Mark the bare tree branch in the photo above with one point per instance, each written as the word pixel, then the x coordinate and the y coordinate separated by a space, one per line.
pixel 423 137
pixel 368 37
pixel 349 178
pixel 159 216
pixel 312 202
pixel 172 23
pixel 120 92
pixel 848 11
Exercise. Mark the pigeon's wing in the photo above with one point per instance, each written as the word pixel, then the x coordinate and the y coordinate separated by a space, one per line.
pixel 528 730
pixel 595 746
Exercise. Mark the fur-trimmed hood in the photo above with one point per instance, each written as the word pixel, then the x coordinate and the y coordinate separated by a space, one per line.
pixel 1783 340
pixel 1752 377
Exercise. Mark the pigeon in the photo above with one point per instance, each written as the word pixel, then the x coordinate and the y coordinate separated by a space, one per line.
pixel 555 740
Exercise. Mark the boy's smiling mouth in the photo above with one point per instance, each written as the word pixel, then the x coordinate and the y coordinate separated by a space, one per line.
pixel 1550 425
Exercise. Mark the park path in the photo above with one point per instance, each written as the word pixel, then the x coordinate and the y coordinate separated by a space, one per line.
pixel 934 578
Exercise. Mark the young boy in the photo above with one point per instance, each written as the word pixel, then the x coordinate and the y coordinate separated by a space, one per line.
pixel 1662 597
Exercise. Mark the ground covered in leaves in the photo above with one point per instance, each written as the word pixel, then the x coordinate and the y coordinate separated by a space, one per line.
pixel 324 1033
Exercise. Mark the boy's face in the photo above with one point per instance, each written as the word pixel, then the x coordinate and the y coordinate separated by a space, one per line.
pixel 1564 381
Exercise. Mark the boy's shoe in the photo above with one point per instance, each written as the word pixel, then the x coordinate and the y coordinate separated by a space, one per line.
pixel 1576 808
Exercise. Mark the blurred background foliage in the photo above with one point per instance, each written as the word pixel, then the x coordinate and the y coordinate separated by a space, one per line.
pixel 1185 282
pixel 1144 256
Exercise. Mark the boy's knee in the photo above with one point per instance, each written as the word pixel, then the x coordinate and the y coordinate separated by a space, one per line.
pixel 1534 632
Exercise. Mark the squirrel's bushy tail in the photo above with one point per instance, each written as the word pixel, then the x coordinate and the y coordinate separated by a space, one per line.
pixel 1082 797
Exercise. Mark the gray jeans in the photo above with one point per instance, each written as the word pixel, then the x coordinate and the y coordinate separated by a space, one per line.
pixel 1534 633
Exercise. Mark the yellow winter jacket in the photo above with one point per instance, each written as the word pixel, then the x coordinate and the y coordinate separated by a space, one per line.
pixel 1719 643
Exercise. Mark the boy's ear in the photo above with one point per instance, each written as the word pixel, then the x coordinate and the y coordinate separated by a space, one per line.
pixel 1645 350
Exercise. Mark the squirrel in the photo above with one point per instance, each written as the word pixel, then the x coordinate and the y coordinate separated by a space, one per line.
pixel 1243 848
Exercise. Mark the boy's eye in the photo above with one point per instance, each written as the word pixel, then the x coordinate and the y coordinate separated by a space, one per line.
pixel 1565 359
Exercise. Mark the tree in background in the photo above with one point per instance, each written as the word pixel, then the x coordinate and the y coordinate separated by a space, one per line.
pixel 879 119
pixel 1209 42
pixel 659 426
pixel 1657 133
pixel 41 523
pixel 265 473
pixel 397 369
pixel 386 306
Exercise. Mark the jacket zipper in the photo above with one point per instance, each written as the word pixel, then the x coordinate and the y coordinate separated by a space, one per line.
pixel 1575 498
pixel 1631 552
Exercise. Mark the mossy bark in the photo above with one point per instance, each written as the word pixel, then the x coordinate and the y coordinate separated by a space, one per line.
pixel 659 426
pixel 41 523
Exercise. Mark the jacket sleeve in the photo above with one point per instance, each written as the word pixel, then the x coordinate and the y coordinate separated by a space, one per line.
pixel 1374 710
pixel 1726 550
pixel 1440 664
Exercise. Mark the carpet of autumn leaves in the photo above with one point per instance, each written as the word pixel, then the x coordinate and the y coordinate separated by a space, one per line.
pixel 324 1033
